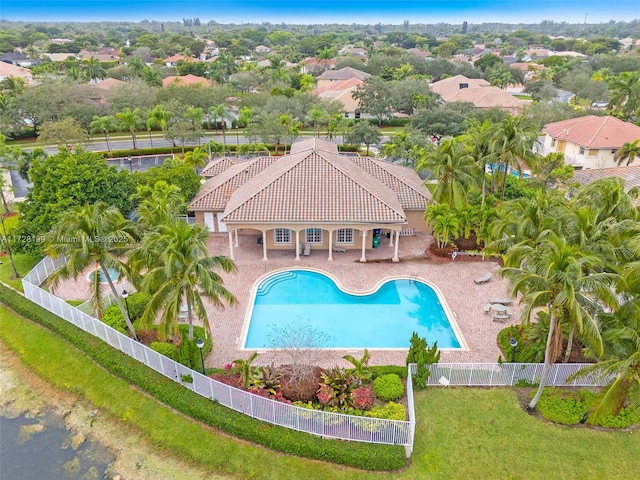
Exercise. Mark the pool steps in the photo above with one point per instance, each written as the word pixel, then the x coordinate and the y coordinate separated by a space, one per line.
pixel 266 285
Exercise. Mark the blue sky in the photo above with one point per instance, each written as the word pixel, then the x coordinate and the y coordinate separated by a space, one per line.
pixel 347 11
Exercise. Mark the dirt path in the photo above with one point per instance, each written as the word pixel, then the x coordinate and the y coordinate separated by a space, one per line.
pixel 21 391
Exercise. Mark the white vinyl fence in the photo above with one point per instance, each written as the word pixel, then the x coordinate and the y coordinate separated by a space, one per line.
pixel 325 424
pixel 508 374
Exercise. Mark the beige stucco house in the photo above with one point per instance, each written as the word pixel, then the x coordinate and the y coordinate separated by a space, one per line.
pixel 312 200
pixel 590 141
pixel 342 92
pixel 479 92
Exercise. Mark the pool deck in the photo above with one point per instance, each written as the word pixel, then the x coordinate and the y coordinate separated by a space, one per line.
pixel 454 279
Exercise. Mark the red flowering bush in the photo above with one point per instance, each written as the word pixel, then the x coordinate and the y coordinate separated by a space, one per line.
pixel 363 398
pixel 325 394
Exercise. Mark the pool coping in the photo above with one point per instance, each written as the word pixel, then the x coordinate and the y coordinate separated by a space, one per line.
pixel 451 315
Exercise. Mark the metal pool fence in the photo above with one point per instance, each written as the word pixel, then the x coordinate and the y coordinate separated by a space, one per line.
pixel 325 424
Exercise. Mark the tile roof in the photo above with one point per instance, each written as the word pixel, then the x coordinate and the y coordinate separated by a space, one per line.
pixel 313 183
pixel 478 91
pixel 109 83
pixel 218 165
pixel 344 74
pixel 594 132
pixel 630 174
pixel 186 80
pixel 338 88
pixel 216 191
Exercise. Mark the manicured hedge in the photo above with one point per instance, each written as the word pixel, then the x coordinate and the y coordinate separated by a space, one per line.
pixel 355 454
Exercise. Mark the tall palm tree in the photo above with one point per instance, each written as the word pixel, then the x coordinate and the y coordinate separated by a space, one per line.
pixel 93 69
pixel 452 165
pixel 158 118
pixel 220 112
pixel 26 159
pixel 629 152
pixel 556 276
pixel 317 116
pixel 478 140
pixel 87 235
pixel 625 94
pixel 511 142
pixel 136 66
pixel 181 272
pixel 130 120
pixel 195 114
pixel 105 125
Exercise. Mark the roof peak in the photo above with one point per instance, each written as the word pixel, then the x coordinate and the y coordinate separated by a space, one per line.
pixel 313 143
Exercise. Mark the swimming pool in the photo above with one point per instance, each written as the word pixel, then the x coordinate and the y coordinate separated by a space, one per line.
pixel 114 274
pixel 384 318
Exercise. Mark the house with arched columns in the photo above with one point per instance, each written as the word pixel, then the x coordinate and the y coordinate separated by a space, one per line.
pixel 312 200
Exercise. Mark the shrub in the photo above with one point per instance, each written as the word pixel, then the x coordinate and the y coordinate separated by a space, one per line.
pixel 627 417
pixel 300 388
pixel 526 349
pixel 386 369
pixel 563 406
pixel 165 349
pixel 337 387
pixel 388 387
pixel 422 355
pixel 391 411
pixel 363 398
pixel 354 454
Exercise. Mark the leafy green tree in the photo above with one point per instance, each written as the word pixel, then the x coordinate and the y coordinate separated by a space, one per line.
pixel 364 132
pixel 63 181
pixel 62 132
pixel 151 77
pixel 87 235
pixel 375 98
pixel 26 158
pixel 105 125
pixel 130 120
pixel 181 271
pixel 568 283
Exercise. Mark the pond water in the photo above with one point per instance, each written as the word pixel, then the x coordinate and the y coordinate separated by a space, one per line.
pixel 42 448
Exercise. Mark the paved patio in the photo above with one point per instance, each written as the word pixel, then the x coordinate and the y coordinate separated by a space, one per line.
pixel 454 278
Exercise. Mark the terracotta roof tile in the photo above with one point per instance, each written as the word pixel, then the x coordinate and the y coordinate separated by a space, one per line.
pixel 218 165
pixel 594 132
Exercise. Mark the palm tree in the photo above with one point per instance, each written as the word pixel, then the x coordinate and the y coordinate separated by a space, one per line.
pixel 220 112
pixel 511 142
pixel 629 152
pixel 136 66
pixel 181 272
pixel 87 235
pixel 94 70
pixel 151 77
pixel 196 158
pixel 453 166
pixel 478 140
pixel 317 116
pixel 158 118
pixel 26 159
pixel 445 227
pixel 557 276
pixel 105 125
pixel 195 114
pixel 130 120
pixel 625 94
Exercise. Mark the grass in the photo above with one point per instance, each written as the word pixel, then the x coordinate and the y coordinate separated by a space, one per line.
pixel 24 263
pixel 461 432
pixel 523 97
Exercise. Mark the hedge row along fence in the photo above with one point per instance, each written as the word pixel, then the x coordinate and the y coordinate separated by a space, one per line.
pixel 365 456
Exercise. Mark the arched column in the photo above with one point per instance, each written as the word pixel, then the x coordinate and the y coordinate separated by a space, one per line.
pixel 363 258
pixel 297 245
pixel 236 235
pixel 330 259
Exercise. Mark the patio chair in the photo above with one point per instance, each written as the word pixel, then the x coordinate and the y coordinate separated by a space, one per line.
pixel 307 249
pixel 487 308
pixel 483 279
pixel 499 317
pixel 339 249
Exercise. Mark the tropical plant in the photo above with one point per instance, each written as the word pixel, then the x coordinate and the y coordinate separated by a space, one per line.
pixel 452 165
pixel 445 227
pixel 566 282
pixel 220 112
pixel 158 118
pixel 317 117
pixel 337 386
pixel 93 69
pixel 629 152
pixel 360 366
pixel 151 77
pixel 87 235
pixel 130 120
pixel 244 367
pixel 180 271
pixel 105 125
pixel 625 95
pixel 196 158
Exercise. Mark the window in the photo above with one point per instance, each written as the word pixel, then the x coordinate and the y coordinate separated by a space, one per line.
pixel 313 235
pixel 593 152
pixel 553 142
pixel 346 114
pixel 463 85
pixel 282 235
pixel 582 150
pixel 613 151
pixel 357 114
pixel 344 235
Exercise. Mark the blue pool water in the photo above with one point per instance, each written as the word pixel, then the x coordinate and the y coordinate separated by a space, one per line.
pixel 114 274
pixel 383 319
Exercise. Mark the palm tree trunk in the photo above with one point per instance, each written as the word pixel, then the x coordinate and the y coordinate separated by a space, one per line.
pixel 106 137
pixel 504 181
pixel 547 363
pixel 150 139
pixel 569 346
pixel 116 295
pixel 484 181
pixel 190 319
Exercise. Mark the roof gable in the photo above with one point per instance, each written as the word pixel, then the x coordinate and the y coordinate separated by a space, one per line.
pixel 594 132
pixel 344 74
pixel 217 166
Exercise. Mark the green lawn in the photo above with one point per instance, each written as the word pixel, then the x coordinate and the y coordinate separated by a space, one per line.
pixel 462 433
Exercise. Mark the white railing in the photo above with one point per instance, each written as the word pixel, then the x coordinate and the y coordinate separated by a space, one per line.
pixel 509 375
pixel 325 424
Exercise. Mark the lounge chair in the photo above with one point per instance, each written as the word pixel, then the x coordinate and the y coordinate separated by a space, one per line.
pixel 339 249
pixel 483 279
pixel 487 308
pixel 307 249
pixel 499 317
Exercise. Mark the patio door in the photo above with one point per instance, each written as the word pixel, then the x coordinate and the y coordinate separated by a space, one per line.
pixel 208 221
pixel 222 227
